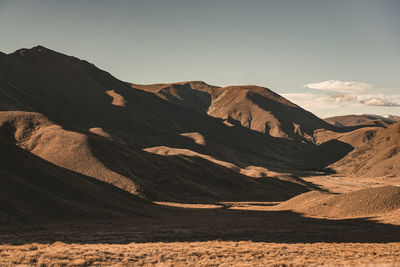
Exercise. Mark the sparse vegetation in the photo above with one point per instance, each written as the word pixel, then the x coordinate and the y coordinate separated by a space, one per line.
pixel 211 253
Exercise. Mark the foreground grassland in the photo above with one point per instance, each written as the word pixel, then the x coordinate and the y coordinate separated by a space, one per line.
pixel 211 253
pixel 210 234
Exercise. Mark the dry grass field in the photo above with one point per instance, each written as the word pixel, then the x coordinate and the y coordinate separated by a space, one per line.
pixel 209 253
pixel 220 234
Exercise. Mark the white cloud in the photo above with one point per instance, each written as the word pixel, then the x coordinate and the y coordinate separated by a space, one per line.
pixel 352 92
pixel 339 86
pixel 366 99
pixel 340 98
pixel 380 102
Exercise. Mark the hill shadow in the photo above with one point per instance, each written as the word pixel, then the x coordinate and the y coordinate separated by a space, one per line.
pixel 192 178
pixel 150 121
pixel 33 189
pixel 185 225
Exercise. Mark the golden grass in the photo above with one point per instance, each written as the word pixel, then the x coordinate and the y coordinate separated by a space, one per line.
pixel 211 253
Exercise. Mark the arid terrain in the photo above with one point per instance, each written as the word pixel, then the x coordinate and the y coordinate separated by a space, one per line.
pixel 98 171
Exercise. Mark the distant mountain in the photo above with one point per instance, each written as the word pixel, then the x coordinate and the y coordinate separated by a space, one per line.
pixel 253 107
pixel 392 117
pixel 365 119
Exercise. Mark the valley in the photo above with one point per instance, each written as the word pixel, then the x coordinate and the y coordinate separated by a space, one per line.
pixel 95 170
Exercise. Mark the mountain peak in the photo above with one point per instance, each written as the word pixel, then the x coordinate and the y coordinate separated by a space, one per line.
pixel 39 49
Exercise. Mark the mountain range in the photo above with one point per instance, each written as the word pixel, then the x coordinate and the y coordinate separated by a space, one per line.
pixel 79 143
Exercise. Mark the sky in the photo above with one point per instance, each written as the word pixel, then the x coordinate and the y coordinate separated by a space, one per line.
pixel 330 57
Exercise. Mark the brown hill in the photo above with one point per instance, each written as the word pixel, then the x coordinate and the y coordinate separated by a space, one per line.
pixel 254 107
pixel 378 157
pixel 362 203
pixel 33 189
pixel 354 136
pixel 355 130
pixel 68 114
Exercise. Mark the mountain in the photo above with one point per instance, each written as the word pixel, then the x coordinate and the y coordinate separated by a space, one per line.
pixel 362 120
pixel 393 118
pixel 72 123
pixel 250 106
pixel 378 157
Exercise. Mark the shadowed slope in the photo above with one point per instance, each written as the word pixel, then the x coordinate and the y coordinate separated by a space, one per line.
pixel 195 94
pixel 33 189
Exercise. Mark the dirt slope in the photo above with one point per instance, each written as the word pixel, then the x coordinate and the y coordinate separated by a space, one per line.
pixel 362 203
pixel 355 137
pixel 378 157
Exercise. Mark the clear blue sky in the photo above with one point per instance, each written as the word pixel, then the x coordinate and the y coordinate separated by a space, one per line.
pixel 281 44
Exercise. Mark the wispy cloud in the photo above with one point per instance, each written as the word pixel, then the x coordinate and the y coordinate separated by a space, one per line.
pixel 367 99
pixel 339 86
pixel 334 97
pixel 380 102
pixel 340 98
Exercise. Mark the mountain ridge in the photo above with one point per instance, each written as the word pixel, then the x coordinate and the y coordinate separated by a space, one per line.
pixel 134 140
pixel 363 119
pixel 158 143
pixel 251 106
